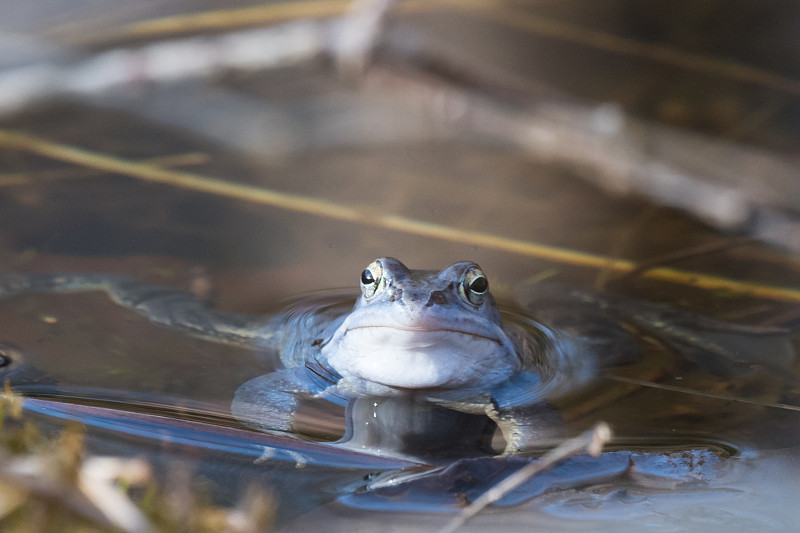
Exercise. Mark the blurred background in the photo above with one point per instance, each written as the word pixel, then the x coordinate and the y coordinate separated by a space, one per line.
pixel 492 130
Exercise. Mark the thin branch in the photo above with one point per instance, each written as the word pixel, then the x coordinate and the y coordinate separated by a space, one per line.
pixel 591 442
pixel 684 390
pixel 681 255
pixel 12 179
pixel 553 29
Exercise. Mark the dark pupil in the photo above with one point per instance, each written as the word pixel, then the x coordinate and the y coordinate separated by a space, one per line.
pixel 366 277
pixel 479 285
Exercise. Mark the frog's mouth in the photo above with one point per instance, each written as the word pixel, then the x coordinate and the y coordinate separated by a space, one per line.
pixel 414 357
pixel 423 330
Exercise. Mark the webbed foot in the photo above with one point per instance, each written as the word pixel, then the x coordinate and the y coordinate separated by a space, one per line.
pixel 529 428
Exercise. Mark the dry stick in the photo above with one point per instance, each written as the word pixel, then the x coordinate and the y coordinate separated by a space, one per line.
pixel 600 140
pixel 590 441
pixel 624 155
pixel 564 31
pixel 623 243
pixel 500 12
pixel 692 392
pixel 681 255
pixel 13 179
pixel 349 39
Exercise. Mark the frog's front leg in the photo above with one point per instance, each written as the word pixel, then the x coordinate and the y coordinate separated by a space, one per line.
pixel 525 418
pixel 530 427
pixel 269 402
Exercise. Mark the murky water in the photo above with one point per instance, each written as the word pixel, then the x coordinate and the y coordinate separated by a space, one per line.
pixel 158 392
pixel 143 389
pixel 706 417
pixel 701 415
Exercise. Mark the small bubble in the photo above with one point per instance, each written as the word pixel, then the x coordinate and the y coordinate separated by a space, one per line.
pixel 48 319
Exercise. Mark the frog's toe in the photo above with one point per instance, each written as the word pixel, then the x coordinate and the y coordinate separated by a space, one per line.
pixel 534 427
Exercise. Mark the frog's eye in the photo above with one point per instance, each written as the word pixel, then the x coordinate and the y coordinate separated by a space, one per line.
pixel 372 280
pixel 474 286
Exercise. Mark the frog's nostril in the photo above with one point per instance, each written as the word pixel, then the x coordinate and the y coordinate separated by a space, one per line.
pixel 437 298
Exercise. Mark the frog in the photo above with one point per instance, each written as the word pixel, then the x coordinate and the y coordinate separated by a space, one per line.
pixel 413 337
pixel 428 344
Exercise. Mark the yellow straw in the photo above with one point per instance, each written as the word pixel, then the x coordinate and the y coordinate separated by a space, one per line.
pixel 324 208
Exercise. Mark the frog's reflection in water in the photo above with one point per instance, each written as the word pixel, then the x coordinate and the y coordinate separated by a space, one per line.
pixel 413 428
pixel 409 427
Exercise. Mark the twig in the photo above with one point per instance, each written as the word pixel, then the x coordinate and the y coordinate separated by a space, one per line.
pixel 657 53
pixel 692 392
pixel 732 186
pixel 681 255
pixel 164 62
pixel 13 179
pixel 349 39
pixel 591 442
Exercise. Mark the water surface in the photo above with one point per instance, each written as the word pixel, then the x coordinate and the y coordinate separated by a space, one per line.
pixel 142 389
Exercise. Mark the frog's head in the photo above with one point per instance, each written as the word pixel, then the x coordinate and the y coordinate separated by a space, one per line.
pixel 423 329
